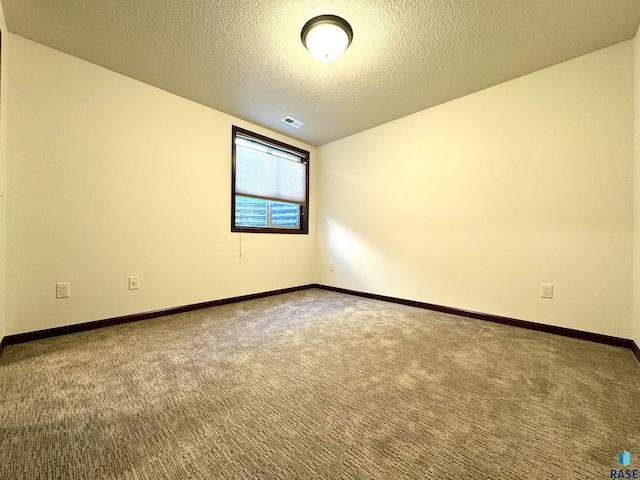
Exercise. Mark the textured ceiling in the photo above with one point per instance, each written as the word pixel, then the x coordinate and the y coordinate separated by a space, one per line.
pixel 245 58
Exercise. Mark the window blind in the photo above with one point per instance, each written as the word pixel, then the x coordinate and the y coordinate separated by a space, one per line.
pixel 263 171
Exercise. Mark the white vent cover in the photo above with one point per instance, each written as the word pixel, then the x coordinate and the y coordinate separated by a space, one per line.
pixel 293 122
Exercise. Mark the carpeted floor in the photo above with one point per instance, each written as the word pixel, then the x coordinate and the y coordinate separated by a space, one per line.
pixel 316 384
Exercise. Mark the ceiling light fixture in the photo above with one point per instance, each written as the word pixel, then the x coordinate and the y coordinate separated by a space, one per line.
pixel 327 37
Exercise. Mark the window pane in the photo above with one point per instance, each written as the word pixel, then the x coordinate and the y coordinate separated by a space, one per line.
pixel 251 212
pixel 285 214
pixel 269 184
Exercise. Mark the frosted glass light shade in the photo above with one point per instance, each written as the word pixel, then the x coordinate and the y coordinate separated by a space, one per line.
pixel 327 37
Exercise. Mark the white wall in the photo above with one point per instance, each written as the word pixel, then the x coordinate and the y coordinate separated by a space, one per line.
pixel 108 177
pixel 473 203
pixel 470 204
pixel 3 136
pixel 636 234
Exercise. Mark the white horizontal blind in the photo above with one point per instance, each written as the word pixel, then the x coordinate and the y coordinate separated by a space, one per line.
pixel 266 172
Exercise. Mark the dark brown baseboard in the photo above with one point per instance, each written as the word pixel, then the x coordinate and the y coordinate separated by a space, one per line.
pixel 565 332
pixel 82 327
pixel 636 350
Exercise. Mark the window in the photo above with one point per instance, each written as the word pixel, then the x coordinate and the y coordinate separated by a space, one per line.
pixel 269 185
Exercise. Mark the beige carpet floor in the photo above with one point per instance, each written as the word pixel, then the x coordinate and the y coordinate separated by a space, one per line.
pixel 316 384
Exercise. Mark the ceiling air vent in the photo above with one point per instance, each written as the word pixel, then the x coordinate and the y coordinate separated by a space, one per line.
pixel 293 122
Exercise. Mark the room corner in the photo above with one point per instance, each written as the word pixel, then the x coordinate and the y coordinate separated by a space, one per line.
pixel 3 141
pixel 636 192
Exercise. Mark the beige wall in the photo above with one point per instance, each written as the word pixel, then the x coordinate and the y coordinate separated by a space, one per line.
pixel 3 136
pixel 109 177
pixel 473 203
pixel 636 234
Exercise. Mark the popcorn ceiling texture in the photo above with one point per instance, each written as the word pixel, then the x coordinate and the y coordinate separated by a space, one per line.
pixel 245 58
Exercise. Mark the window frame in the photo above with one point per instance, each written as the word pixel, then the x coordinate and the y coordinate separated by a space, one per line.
pixel 303 229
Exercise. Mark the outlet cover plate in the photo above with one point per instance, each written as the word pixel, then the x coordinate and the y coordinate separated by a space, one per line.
pixel 134 282
pixel 546 290
pixel 63 290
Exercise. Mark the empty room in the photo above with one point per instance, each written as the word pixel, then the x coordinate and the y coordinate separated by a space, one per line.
pixel 319 240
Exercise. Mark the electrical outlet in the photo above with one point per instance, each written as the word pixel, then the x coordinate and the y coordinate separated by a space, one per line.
pixel 546 290
pixel 331 267
pixel 134 282
pixel 63 290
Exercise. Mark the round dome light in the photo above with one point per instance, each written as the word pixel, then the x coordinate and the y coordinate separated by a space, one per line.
pixel 326 37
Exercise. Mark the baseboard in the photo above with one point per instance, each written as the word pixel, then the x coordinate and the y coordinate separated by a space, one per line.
pixel 565 332
pixel 82 327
